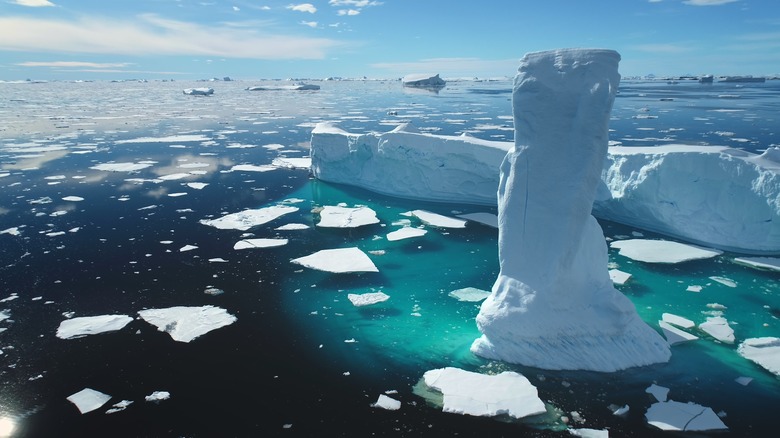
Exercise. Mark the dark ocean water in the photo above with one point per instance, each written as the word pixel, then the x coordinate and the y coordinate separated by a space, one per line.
pixel 284 368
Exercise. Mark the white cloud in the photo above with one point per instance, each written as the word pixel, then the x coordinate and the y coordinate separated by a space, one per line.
pixel 73 64
pixel 707 2
pixel 303 7
pixel 354 3
pixel 348 12
pixel 236 8
pixel 34 3
pixel 312 24
pixel 153 35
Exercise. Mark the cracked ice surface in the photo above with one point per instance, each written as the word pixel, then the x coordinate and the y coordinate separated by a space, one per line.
pixel 247 219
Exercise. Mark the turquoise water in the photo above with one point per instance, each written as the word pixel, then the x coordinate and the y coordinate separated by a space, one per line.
pixel 300 354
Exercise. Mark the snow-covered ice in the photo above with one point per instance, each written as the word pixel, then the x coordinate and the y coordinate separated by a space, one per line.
pixel 662 251
pixel 589 433
pixel 718 327
pixel 469 294
pixel 247 219
pixel 336 216
pixel 158 396
pixel 388 403
pixel 200 91
pixel 292 227
pixel 405 233
pixel 367 299
pixel 187 323
pixel 764 351
pixel 339 260
pixel 121 167
pixel 438 220
pixel 470 393
pixel 87 400
pixel 619 277
pixel 553 304
pixel 91 325
pixel 677 416
pixel 259 243
pixel 423 80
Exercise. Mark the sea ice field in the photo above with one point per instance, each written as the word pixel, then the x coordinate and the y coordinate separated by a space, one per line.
pixel 169 267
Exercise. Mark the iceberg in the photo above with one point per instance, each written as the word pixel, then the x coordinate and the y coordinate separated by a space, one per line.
pixel 187 323
pixel 423 80
pixel 763 351
pixel 247 219
pixel 299 86
pixel 469 393
pixel 87 400
pixel 91 325
pixel 553 305
pixel 202 91
pixel 340 260
pixel 764 263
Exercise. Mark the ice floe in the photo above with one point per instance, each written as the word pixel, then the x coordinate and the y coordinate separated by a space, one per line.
pixel 438 220
pixel 768 263
pixel 764 351
pixel 91 325
pixel 292 163
pixel 619 277
pixel 589 433
pixel 367 299
pixel 405 233
pixel 158 396
pixel 187 323
pixel 386 402
pixel 677 416
pixel 292 227
pixel 121 167
pixel 119 406
pixel 87 400
pixel 340 260
pixel 247 219
pixel 662 251
pixel 660 393
pixel 259 243
pixel 72 198
pixel 346 217
pixel 718 327
pixel 488 219
pixel 470 393
pixel 252 168
pixel 675 335
pixel 677 320
pixel 469 294
pixel 183 138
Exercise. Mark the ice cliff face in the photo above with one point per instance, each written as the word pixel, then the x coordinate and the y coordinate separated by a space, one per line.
pixel 553 305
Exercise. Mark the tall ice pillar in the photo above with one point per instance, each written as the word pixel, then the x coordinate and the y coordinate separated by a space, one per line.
pixel 553 305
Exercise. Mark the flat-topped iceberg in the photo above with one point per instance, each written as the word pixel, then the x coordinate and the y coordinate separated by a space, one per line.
pixel 423 80
pixel 88 399
pixel 91 325
pixel 711 195
pixel 200 91
pixel 554 305
pixel 187 323
pixel 339 260
pixel 763 351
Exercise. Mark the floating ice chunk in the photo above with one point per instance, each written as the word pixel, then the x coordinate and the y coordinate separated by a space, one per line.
pixel 388 403
pixel 291 87
pixel 469 294
pixel 589 433
pixel 659 392
pixel 259 243
pixel 662 251
pixel 119 406
pixel 292 227
pixel 345 217
pixel 217 260
pixel 247 219
pixel 13 231
pixel 764 351
pixel 73 198
pixel 158 396
pixel 176 195
pixel 197 185
pixel 694 288
pixel 202 91
pixel 339 260
pixel 292 163
pixel 187 248
pixel 121 167
pixel 423 80
pixel 405 233
pixel 724 281
pixel 175 176
pixel 187 323
pixel 679 321
pixel 91 325
pixel 488 219
pixel 252 168
pixel 87 400
pixel 619 277
pixel 718 327
pixel 360 300
pixel 619 411
pixel 477 394
pixel 742 380
pixel 438 220
pixel 769 263
pixel 672 415
pixel 674 335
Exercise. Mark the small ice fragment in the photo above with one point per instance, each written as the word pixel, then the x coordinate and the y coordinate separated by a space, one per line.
pixel 13 231
pixel 674 335
pixel 73 198
pixel 716 306
pixel 177 195
pixel 197 185
pixel 768 263
pixel 589 433
pixel 359 300
pixel 405 233
pixel 345 217
pixel 259 243
pixel 388 403
pixel 744 381
pixel 478 394
pixel 438 220
pixel 121 167
pixel 290 227
pixel 91 325
pixel 619 277
pixel 694 288
pixel 724 281
pixel 187 323
pixel 764 351
pixel 659 392
pixel 158 396
pixel 187 248
pixel 120 406
pixel 620 411
pixel 213 291
pixel 679 321
pixel 488 219
pixel 469 294
pixel 662 251
pixel 718 327
pixel 217 260
pixel 87 400
pixel 339 260
pixel 672 415
pixel 251 168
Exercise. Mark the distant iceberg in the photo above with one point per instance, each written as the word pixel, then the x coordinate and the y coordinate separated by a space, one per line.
pixel 199 91
pixel 421 80
pixel 299 86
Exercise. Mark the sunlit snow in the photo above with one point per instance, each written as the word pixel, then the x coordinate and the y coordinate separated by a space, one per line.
pixel 187 323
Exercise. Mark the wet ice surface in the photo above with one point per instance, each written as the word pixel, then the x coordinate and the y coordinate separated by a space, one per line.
pixel 122 149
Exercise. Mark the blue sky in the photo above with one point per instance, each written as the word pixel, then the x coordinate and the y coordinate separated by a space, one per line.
pixel 253 39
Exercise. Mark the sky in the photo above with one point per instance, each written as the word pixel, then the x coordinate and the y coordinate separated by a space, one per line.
pixel 377 39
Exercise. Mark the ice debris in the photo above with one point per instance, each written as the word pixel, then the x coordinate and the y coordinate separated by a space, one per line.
pixel 87 400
